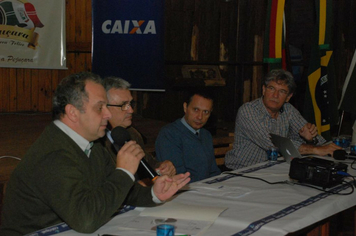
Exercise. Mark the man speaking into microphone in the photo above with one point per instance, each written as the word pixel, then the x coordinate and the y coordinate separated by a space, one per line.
pixel 68 176
pixel 121 106
pixel 120 136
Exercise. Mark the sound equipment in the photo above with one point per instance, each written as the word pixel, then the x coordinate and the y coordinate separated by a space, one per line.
pixel 317 171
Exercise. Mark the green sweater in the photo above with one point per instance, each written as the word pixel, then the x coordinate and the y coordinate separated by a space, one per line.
pixel 56 182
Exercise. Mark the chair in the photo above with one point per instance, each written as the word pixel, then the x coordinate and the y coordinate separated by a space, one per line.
pixel 221 146
pixel 7 165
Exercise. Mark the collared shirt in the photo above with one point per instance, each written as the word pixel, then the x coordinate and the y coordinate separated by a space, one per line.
pixel 108 134
pixel 252 127
pixel 77 138
pixel 84 144
pixel 188 126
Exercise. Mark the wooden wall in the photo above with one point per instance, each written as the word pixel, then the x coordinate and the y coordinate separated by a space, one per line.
pixel 227 33
pixel 224 33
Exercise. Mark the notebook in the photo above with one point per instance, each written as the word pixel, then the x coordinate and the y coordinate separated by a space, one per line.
pixel 285 147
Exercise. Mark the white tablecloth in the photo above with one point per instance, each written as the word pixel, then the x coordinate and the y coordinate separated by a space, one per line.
pixel 252 206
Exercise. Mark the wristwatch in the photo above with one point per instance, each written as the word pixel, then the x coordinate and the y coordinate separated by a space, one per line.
pixel 314 141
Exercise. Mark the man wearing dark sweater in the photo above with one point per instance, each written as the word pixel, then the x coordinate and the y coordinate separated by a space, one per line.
pixel 68 177
pixel 186 143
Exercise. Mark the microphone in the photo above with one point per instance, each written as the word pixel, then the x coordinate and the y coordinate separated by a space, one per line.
pixel 282 109
pixel 342 155
pixel 120 136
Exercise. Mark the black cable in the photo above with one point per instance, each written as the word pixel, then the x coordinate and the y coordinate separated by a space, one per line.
pixel 342 173
pixel 327 191
pixel 250 177
pixel 351 165
pixel 301 184
pixel 280 182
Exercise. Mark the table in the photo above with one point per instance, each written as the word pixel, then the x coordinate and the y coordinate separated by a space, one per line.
pixel 252 206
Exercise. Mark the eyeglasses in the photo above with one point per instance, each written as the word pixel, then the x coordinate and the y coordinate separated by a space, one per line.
pixel 281 92
pixel 125 106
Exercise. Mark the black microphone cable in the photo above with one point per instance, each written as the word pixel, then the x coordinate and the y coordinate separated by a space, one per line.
pixel 120 136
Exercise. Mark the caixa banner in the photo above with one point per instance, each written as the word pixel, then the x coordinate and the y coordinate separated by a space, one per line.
pixel 32 34
pixel 128 41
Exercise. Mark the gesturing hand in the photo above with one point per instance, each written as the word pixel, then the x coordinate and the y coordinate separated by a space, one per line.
pixel 165 187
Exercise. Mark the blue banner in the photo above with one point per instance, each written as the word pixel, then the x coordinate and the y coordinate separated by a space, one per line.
pixel 128 41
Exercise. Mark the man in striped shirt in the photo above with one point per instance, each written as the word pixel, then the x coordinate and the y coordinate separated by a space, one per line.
pixel 273 114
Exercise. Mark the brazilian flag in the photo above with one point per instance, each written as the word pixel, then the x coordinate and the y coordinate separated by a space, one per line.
pixel 320 105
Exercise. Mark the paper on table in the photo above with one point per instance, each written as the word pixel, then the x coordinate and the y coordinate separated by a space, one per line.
pixel 219 190
pixel 183 211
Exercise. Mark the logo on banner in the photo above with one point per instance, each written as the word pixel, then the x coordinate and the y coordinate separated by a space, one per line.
pixel 129 27
pixel 18 21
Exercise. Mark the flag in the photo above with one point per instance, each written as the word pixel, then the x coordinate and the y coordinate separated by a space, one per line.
pixel 31 12
pixel 320 106
pixel 19 13
pixel 8 16
pixel 348 97
pixel 274 52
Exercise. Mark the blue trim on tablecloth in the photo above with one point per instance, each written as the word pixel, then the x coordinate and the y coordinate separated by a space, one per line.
pixel 62 227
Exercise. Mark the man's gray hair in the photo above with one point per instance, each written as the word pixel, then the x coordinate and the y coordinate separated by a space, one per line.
pixel 279 76
pixel 115 82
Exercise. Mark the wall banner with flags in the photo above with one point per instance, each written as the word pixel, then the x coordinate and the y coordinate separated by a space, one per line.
pixel 128 41
pixel 274 52
pixel 32 34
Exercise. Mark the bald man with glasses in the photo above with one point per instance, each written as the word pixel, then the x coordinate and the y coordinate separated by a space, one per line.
pixel 121 106
pixel 273 114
